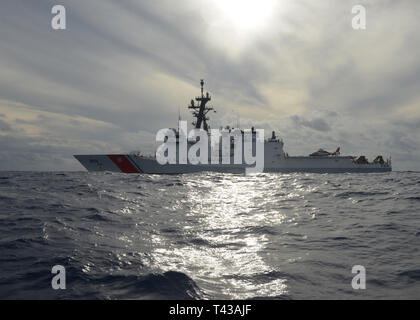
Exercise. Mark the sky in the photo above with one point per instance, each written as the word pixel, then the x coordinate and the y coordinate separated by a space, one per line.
pixel 122 70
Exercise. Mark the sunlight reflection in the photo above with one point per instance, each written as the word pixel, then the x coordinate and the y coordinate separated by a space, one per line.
pixel 231 224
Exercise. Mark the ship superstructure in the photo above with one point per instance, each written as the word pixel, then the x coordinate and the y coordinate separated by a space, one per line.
pixel 275 158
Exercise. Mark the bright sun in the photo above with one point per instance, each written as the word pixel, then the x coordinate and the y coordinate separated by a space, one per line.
pixel 246 14
pixel 233 25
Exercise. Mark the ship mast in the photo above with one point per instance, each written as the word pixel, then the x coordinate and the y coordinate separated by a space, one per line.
pixel 200 110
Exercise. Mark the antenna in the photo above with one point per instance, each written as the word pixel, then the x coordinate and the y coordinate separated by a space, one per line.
pixel 200 109
pixel 202 87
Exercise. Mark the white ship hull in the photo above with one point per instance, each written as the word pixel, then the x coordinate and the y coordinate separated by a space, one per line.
pixel 138 164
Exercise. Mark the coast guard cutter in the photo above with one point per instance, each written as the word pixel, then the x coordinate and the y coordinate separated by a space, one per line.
pixel 275 158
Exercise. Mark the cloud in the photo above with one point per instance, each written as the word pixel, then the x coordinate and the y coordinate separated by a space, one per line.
pixel 316 124
pixel 4 126
pixel 122 70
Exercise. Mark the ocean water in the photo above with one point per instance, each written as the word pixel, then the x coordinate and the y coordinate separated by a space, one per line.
pixel 209 235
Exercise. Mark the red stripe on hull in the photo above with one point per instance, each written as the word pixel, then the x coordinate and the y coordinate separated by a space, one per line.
pixel 123 163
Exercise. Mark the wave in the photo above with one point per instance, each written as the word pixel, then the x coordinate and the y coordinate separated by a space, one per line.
pixel 98 217
pixel 225 235
pixel 349 194
pixel 171 285
pixel 413 198
pixel 411 276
